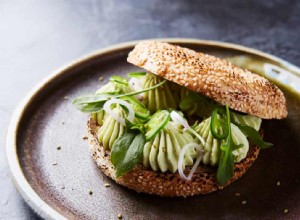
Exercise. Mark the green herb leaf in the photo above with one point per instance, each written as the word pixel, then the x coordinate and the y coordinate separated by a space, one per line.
pixel 156 123
pixel 142 91
pixel 127 151
pixel 117 91
pixel 90 107
pixel 136 74
pixel 91 103
pixel 94 103
pixel 119 79
pixel 91 99
pixel 254 136
pixel 226 164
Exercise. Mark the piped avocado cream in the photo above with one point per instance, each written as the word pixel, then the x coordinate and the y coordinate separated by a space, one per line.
pixel 108 88
pixel 159 98
pixel 212 146
pixel 111 129
pixel 162 152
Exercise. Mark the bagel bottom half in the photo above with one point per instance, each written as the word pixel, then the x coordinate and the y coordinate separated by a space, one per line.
pixel 169 184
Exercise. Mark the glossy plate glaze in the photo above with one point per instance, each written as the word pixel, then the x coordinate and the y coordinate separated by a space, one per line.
pixel 52 168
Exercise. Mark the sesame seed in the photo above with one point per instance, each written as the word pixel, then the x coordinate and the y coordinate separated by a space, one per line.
pixel 278 183
pixel 237 194
pixel 66 97
pixel 84 137
pixel 101 78
pixel 285 211
pixel 107 185
pixel 54 163
pixel 120 216
pixel 244 202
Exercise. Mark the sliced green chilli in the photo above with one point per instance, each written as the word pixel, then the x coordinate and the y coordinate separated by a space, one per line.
pixel 157 122
pixel 218 126
pixel 140 110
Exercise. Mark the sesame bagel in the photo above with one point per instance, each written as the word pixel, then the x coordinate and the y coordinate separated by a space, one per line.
pixel 216 78
pixel 144 180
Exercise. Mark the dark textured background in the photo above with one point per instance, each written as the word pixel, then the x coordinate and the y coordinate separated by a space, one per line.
pixel 37 37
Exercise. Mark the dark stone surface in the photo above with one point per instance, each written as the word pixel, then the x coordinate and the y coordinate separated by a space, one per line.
pixel 37 37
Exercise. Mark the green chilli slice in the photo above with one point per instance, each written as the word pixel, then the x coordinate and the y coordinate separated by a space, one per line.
pixel 218 124
pixel 156 123
pixel 140 110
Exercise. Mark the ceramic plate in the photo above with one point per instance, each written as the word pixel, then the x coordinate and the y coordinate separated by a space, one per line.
pixel 53 170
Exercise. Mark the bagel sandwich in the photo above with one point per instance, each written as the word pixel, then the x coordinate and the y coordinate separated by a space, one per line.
pixel 188 125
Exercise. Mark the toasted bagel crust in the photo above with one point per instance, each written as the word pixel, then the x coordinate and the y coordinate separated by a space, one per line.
pixel 169 184
pixel 216 78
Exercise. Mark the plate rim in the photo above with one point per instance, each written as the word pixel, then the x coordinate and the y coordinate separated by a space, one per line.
pixel 37 204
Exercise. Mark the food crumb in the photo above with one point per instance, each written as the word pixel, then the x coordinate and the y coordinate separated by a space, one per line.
pixel 84 137
pixel 285 211
pixel 63 123
pixel 107 185
pixel 237 194
pixel 58 147
pixel 91 192
pixel 120 216
pixel 54 163
pixel 244 202
pixel 101 78
pixel 278 183
pixel 66 97
pixel 63 187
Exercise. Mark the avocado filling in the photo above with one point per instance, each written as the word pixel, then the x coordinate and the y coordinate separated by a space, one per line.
pixel 160 98
pixel 111 129
pixel 162 152
pixel 212 145
pixel 155 139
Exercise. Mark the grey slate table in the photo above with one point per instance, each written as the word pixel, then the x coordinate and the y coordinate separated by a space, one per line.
pixel 37 37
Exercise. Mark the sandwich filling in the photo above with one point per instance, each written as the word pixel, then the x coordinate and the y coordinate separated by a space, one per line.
pixel 166 127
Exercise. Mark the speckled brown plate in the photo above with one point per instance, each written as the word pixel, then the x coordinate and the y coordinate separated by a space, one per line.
pixel 56 183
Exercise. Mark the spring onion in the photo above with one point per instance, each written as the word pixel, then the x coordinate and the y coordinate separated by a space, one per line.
pixel 181 159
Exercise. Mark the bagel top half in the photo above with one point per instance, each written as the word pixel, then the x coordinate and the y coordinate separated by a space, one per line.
pixel 214 77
